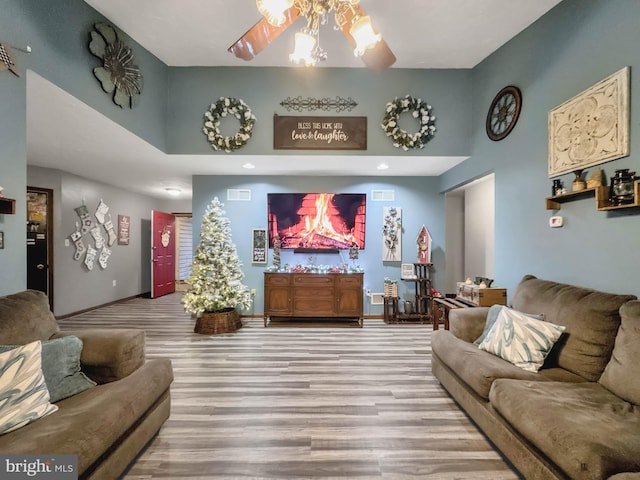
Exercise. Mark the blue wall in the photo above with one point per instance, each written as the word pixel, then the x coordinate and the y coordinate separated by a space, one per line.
pixel 192 90
pixel 577 44
pixel 419 198
pixel 58 33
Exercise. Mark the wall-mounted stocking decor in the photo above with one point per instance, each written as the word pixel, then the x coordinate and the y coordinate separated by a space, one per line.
pixel 420 110
pixel 118 74
pixel 592 127
pixel 392 234
pixel 85 225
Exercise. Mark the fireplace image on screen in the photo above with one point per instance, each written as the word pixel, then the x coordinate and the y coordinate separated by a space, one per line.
pixel 317 221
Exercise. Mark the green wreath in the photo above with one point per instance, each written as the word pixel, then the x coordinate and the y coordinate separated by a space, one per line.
pixel 223 107
pixel 419 109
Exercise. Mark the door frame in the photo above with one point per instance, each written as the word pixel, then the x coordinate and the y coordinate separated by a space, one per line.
pixel 50 276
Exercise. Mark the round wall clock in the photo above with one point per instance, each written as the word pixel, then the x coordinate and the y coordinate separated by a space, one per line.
pixel 503 113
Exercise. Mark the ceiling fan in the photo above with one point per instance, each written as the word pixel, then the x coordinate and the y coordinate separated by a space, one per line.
pixel 349 17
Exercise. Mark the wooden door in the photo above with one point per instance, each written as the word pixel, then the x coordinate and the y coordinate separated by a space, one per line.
pixel 39 241
pixel 163 247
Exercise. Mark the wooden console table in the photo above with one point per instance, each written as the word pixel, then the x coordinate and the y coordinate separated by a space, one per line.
pixel 334 295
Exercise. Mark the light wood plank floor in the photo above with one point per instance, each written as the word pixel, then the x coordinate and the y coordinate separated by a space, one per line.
pixel 291 403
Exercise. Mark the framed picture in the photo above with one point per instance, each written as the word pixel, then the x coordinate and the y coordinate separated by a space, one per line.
pixel 124 224
pixel 407 271
pixel 1 239
pixel 259 245
pixel 592 127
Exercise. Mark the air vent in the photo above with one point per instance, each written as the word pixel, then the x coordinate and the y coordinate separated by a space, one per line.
pixel 238 195
pixel 377 298
pixel 383 195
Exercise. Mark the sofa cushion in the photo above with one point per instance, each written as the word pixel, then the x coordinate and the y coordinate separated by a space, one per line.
pixel 492 316
pixel 521 340
pixel 24 397
pixel 620 376
pixel 61 367
pixel 587 431
pixel 591 317
pixel 477 368
pixel 25 317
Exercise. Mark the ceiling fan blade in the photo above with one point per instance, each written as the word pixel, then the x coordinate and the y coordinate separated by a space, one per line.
pixel 377 58
pixel 261 35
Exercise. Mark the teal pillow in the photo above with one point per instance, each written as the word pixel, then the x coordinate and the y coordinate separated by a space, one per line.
pixel 61 367
pixel 521 340
pixel 492 316
pixel 23 394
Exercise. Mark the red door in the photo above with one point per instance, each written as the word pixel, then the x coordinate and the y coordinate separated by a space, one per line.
pixel 163 248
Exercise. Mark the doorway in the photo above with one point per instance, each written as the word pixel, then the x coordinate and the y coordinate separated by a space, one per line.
pixel 470 231
pixel 40 241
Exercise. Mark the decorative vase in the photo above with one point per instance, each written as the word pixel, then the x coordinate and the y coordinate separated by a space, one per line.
pixel 578 183
pixel 621 190
pixel 214 323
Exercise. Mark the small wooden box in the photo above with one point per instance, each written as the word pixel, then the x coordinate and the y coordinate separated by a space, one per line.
pixel 390 289
pixel 481 297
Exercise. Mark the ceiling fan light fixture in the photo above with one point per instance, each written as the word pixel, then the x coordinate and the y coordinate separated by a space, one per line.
pixel 362 32
pixel 303 49
pixel 273 10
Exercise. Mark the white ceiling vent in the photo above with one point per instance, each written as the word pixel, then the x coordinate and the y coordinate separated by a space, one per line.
pixel 383 195
pixel 238 194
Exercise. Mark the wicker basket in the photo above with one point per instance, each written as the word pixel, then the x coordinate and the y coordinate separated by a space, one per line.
pixel 390 289
pixel 214 323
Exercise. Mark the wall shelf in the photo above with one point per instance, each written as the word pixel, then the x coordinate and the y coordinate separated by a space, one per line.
pixel 553 203
pixel 602 198
pixel 7 205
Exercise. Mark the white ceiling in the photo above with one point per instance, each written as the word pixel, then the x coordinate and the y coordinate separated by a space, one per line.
pixel 66 134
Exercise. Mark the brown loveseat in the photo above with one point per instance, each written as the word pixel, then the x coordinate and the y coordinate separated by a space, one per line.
pixel 577 417
pixel 106 425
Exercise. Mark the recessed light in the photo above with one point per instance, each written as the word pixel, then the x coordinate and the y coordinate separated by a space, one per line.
pixel 174 192
pixel 382 166
pixel 248 166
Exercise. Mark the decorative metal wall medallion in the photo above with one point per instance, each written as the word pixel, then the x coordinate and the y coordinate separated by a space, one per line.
pixel 118 74
pixel 338 104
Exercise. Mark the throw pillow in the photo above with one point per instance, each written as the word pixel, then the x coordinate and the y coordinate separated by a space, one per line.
pixel 520 339
pixel 23 393
pixel 492 316
pixel 61 367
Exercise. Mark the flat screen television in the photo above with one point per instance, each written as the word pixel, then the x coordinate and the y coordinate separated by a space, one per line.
pixel 317 222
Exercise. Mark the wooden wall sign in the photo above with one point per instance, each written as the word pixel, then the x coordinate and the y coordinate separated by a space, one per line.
pixel 124 223
pixel 319 133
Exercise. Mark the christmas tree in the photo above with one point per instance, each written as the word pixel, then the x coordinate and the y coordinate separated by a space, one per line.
pixel 216 278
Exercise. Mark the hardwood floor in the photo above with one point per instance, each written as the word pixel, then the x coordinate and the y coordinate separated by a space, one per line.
pixel 293 403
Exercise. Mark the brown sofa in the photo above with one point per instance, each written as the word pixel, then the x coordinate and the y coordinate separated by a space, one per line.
pixel 577 417
pixel 106 425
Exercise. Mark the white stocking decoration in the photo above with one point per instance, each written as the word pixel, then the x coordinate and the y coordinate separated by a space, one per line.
pixel 97 236
pixel 91 257
pixel 105 253
pixel 101 211
pixel 76 238
pixel 108 226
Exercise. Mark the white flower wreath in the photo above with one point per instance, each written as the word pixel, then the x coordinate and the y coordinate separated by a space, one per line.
pixel 223 107
pixel 419 109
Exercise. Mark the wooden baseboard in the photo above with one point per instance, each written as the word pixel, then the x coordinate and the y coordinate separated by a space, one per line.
pixel 67 315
